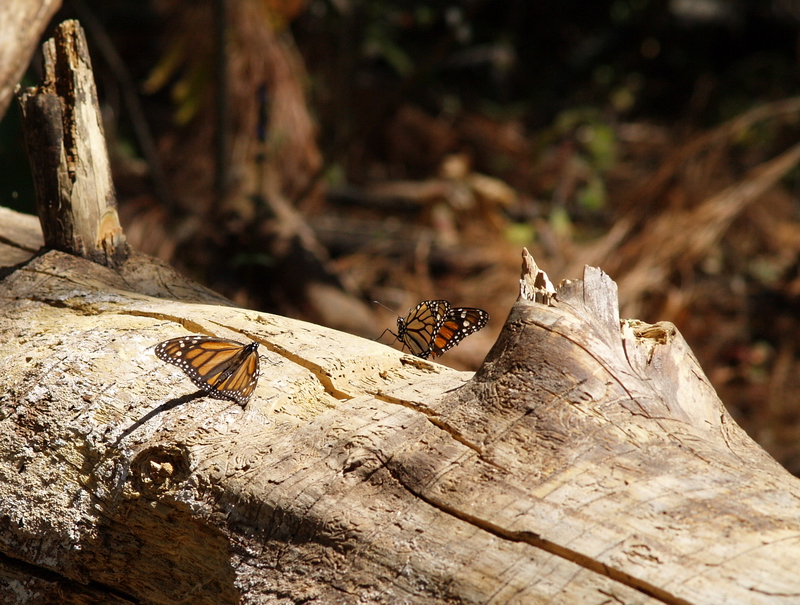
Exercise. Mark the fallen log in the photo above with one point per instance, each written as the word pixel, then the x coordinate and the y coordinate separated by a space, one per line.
pixel 587 457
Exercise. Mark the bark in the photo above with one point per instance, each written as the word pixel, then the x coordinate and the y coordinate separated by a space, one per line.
pixel 75 197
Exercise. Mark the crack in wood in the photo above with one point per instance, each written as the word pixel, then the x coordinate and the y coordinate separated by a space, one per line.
pixel 319 373
pixel 186 323
pixel 66 585
pixel 19 246
pixel 432 417
pixel 553 548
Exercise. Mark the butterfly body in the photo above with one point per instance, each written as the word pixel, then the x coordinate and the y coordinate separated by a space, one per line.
pixel 225 369
pixel 433 327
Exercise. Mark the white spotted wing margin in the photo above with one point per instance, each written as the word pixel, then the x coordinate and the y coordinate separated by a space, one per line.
pixel 225 369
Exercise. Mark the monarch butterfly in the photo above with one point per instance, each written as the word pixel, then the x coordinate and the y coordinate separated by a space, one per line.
pixel 225 369
pixel 433 327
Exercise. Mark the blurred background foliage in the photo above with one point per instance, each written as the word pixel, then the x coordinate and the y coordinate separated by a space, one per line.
pixel 306 157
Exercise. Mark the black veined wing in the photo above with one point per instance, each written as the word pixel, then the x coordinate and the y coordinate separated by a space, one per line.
pixel 417 329
pixel 457 325
pixel 225 369
pixel 433 327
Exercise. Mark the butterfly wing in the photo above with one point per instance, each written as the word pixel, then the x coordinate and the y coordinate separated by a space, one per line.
pixel 240 380
pixel 225 369
pixel 417 330
pixel 457 325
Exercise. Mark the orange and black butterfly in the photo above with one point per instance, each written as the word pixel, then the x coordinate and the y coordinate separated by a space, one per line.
pixel 225 369
pixel 433 327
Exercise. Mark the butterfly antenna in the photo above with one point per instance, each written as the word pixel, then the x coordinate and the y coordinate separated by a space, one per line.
pixel 396 337
pixel 382 305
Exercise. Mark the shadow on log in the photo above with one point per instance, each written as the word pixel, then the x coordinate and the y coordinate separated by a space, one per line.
pixel 584 460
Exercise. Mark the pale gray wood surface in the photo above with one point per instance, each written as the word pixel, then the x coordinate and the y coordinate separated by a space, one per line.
pixel 583 463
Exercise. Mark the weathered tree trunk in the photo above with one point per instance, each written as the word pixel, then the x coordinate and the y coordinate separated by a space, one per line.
pixel 75 196
pixel 587 461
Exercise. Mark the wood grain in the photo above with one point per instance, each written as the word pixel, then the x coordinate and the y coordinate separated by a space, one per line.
pixel 588 460
pixel 75 197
